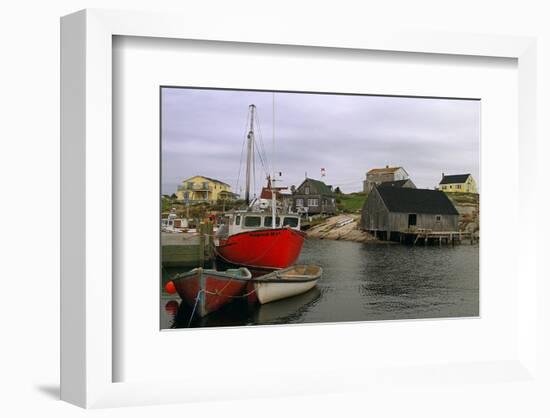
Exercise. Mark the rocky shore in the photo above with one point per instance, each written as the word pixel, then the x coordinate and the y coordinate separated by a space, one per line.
pixel 340 227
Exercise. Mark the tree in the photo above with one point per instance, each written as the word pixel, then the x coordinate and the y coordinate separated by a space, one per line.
pixel 337 190
pixel 173 196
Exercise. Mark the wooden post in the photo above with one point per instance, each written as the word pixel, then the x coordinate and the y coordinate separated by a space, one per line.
pixel 202 242
pixel 210 240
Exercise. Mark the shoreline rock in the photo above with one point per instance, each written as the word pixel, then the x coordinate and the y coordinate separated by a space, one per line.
pixel 341 227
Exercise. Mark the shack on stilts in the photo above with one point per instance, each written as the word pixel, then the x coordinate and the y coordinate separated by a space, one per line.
pixel 411 216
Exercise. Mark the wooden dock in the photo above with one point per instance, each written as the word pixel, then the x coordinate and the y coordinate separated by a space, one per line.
pixel 427 236
pixel 188 249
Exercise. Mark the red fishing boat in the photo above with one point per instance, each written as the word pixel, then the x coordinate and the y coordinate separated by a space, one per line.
pixel 207 290
pixel 248 239
pixel 264 235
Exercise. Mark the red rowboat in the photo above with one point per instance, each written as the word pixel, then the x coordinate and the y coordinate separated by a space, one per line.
pixel 208 290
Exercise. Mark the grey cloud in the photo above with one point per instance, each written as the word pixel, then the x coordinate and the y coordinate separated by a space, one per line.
pixel 203 133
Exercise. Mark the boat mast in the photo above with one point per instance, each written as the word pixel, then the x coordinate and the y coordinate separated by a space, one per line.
pixel 249 153
pixel 273 190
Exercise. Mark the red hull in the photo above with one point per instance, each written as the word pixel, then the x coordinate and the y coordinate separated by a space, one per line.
pixel 212 291
pixel 268 248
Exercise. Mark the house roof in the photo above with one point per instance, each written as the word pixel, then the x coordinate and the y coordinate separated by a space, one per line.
pixel 207 178
pixel 396 183
pixel 321 187
pixel 455 178
pixel 384 170
pixel 403 199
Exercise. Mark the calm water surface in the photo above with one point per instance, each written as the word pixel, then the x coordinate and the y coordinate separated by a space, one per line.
pixel 360 282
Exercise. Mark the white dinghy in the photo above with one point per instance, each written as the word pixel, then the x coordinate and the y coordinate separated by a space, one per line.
pixel 287 282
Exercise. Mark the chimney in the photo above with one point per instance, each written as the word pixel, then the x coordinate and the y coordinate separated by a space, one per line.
pixel 442 175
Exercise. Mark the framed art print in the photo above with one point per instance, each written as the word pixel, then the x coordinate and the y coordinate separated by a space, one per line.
pixel 326 210
pixel 318 161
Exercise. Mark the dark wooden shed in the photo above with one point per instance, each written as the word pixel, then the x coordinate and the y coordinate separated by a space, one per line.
pixel 314 197
pixel 390 210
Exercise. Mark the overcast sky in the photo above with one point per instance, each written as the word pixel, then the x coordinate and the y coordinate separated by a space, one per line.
pixel 203 132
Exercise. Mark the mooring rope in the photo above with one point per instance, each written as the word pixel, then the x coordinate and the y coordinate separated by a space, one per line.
pixel 216 293
pixel 197 298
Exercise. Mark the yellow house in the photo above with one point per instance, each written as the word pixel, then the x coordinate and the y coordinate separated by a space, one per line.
pixel 203 189
pixel 458 183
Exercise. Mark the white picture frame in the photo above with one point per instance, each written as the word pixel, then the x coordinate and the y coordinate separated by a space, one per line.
pixel 86 153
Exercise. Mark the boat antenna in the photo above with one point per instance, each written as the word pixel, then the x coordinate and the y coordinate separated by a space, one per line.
pixel 250 152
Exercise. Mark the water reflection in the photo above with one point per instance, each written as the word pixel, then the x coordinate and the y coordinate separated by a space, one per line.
pixel 360 282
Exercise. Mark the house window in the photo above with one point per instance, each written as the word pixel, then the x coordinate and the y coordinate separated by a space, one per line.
pixel 251 221
pixel 438 218
pixel 205 185
pixel 299 202
pixel 189 184
pixel 313 202
pixel 307 190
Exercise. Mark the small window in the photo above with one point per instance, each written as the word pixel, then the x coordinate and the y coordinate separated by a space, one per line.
pixel 438 218
pixel 299 202
pixel 313 202
pixel 307 190
pixel 238 220
pixel 267 221
pixel 292 222
pixel 252 221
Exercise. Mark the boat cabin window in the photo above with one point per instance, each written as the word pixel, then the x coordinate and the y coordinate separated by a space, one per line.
pixel 238 220
pixel 267 221
pixel 290 221
pixel 252 221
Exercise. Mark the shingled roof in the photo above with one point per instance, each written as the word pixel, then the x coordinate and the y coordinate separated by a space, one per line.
pixel 383 170
pixel 396 183
pixel 208 178
pixel 406 200
pixel 321 187
pixel 455 178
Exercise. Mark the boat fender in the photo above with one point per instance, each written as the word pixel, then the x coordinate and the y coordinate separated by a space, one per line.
pixel 170 287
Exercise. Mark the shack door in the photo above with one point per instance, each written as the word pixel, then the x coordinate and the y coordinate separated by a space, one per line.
pixel 412 219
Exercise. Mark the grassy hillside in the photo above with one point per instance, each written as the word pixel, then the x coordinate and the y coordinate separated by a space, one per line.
pixel 350 203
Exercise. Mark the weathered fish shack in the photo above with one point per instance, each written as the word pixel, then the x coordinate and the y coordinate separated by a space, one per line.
pixel 389 212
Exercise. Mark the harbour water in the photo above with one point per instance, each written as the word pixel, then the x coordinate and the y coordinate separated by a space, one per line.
pixel 360 282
